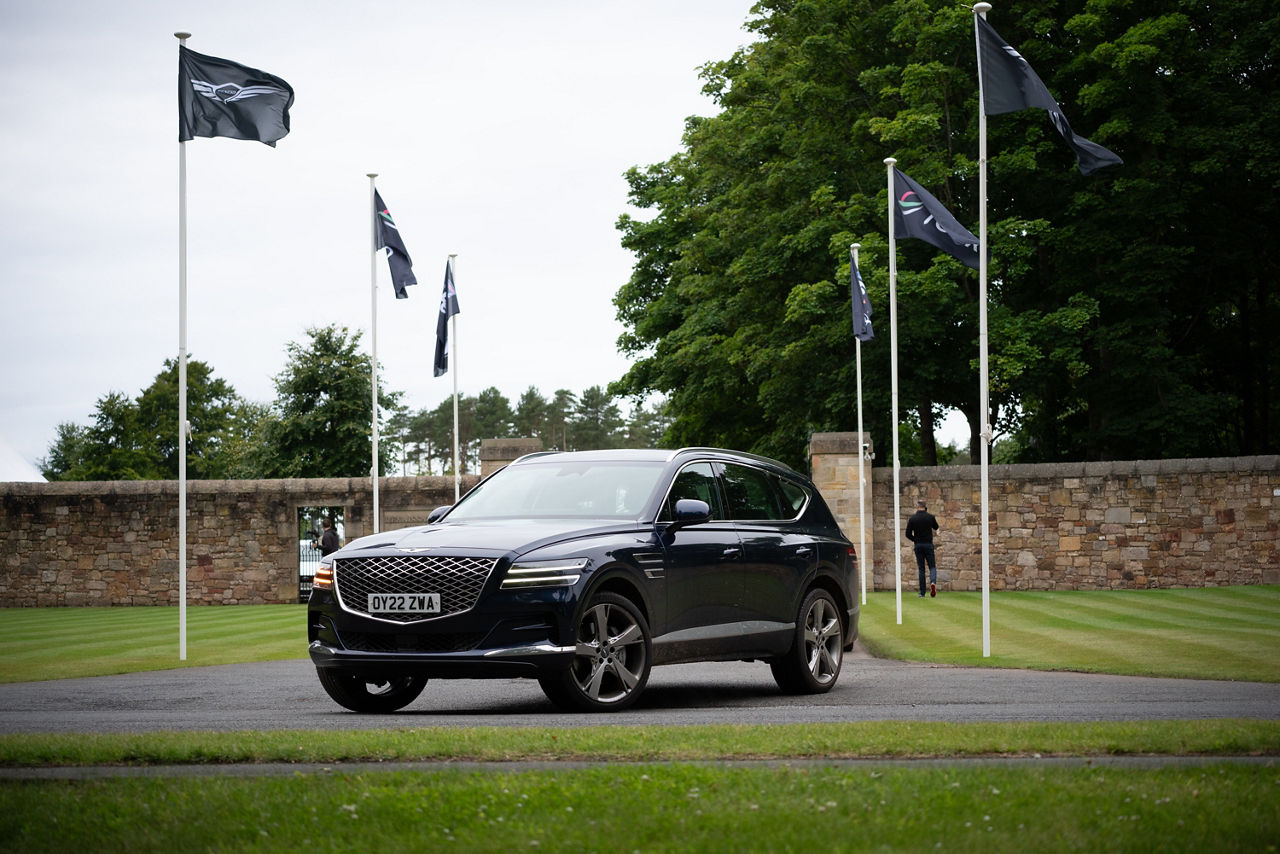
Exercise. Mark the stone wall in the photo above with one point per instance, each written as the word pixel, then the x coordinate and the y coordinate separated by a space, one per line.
pixel 1071 526
pixel 116 543
pixel 1078 526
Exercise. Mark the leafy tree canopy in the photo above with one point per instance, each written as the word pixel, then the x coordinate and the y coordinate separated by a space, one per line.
pixel 1129 311
pixel 321 422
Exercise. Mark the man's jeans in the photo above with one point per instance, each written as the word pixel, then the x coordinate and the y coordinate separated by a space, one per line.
pixel 924 554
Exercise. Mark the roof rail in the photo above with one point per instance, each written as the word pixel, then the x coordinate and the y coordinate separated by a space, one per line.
pixel 748 455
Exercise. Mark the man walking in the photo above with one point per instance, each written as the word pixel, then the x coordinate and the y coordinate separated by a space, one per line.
pixel 920 528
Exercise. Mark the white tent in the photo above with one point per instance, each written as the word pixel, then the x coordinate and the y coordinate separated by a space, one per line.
pixel 14 467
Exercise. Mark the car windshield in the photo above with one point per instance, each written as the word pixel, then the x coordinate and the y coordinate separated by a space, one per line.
pixel 597 489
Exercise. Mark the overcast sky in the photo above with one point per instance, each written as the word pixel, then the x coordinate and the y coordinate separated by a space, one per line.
pixel 500 130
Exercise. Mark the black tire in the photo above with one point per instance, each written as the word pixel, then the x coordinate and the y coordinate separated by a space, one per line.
pixel 371 695
pixel 812 665
pixel 614 654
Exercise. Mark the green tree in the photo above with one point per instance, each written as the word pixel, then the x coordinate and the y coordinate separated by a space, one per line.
pixel 531 415
pixel 1129 310
pixel 138 439
pixel 597 422
pixel 321 421
pixel 647 425
pixel 211 411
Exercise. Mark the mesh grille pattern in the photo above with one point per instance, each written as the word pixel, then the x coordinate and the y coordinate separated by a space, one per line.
pixel 458 580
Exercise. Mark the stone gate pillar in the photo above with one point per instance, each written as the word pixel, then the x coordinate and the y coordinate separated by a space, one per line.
pixel 834 460
pixel 497 453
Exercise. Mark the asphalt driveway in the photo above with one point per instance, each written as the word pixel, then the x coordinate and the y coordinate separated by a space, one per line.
pixel 285 695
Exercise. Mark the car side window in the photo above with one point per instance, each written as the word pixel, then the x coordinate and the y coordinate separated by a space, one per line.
pixel 751 494
pixel 794 497
pixel 696 480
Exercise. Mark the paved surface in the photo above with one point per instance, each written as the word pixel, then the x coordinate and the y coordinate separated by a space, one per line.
pixel 286 695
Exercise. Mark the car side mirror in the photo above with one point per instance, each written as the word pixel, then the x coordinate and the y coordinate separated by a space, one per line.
pixel 434 515
pixel 691 511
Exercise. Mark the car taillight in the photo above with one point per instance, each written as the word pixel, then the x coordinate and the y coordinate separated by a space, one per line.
pixel 324 578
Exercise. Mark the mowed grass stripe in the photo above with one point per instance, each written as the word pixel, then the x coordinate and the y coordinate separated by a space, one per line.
pixel 46 643
pixel 1138 632
pixel 1158 610
pixel 1135 652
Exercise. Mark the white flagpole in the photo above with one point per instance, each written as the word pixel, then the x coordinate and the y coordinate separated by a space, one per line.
pixel 862 479
pixel 893 356
pixel 983 380
pixel 373 337
pixel 182 390
pixel 453 349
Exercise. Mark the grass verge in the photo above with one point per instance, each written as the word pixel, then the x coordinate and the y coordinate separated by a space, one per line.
pixel 663 808
pixel 898 739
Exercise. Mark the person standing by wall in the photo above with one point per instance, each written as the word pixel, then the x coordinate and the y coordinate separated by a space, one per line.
pixel 920 528
pixel 329 539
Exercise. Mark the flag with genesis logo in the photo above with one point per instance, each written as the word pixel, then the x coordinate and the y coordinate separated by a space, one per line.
pixel 218 97
pixel 389 239
pixel 918 214
pixel 1010 84
pixel 448 308
pixel 861 304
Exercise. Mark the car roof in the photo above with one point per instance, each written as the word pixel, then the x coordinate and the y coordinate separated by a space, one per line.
pixel 651 455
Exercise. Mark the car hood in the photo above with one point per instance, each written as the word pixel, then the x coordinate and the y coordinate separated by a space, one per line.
pixel 497 537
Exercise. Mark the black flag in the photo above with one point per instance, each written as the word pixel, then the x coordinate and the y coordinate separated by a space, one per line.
pixel 861 305
pixel 448 308
pixel 1009 84
pixel 389 239
pixel 217 97
pixel 918 214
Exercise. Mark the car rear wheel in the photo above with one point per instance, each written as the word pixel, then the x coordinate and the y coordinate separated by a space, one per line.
pixel 368 694
pixel 813 663
pixel 611 665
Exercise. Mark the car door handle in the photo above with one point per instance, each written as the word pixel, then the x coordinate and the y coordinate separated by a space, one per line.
pixel 804 551
pixel 731 552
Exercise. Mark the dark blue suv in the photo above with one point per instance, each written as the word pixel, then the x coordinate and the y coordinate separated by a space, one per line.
pixel 584 570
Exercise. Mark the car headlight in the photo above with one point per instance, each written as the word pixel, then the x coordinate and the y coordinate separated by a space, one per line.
pixel 324 575
pixel 544 573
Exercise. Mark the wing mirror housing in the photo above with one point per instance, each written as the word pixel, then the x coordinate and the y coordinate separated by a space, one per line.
pixel 434 515
pixel 690 511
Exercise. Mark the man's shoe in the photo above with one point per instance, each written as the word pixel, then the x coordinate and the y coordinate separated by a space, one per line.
pixel 921 595
pixel 933 589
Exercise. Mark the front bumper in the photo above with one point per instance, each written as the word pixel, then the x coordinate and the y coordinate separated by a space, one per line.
pixel 531 660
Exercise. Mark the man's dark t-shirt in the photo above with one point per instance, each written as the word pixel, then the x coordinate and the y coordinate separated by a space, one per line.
pixel 329 542
pixel 920 527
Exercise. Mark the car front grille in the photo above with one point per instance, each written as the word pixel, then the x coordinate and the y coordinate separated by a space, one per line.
pixel 458 581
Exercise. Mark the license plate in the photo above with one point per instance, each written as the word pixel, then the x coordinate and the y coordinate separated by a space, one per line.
pixel 404 603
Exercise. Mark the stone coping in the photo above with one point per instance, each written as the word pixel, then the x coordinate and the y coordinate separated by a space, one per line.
pixel 1117 468
pixel 284 486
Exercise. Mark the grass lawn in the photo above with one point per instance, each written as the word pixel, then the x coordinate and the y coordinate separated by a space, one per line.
pixel 687 803
pixel 1202 633
pixel 659 808
pixel 58 643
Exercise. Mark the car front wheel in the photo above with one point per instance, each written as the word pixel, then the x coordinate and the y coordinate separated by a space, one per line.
pixel 813 663
pixel 611 663
pixel 372 695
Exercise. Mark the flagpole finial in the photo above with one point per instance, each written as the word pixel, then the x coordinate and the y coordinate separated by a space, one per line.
pixel 891 160
pixel 372 174
pixel 981 8
pixel 855 245
pixel 182 36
